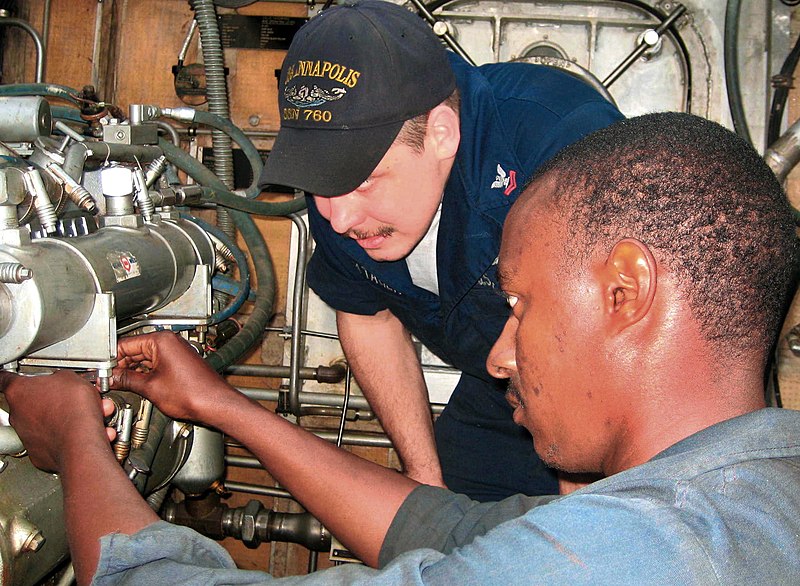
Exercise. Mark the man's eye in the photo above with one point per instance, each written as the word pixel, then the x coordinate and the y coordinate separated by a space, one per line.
pixel 511 300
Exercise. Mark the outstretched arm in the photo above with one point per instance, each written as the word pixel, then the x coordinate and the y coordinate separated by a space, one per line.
pixel 60 421
pixel 356 499
pixel 385 364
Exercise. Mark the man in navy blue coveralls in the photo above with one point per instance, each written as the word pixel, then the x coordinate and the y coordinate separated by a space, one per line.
pixel 414 158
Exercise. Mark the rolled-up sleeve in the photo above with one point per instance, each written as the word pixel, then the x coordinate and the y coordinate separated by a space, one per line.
pixel 435 518
pixel 157 553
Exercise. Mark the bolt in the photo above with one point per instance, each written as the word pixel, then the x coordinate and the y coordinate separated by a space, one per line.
pixel 440 28
pixel 651 37
pixel 34 541
pixel 248 526
pixel 254 120
pixel 653 41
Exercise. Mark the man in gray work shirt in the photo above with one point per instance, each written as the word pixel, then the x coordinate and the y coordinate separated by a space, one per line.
pixel 647 269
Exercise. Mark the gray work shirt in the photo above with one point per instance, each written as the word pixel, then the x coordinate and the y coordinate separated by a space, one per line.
pixel 720 507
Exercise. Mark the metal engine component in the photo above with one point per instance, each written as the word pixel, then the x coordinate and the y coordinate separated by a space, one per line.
pixel 24 119
pixel 66 313
pixel 32 535
pixel 253 524
pixel 87 253
pixel 204 464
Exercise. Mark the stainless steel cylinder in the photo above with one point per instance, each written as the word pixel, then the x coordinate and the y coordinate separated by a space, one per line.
pixel 145 268
pixel 24 119
pixel 205 464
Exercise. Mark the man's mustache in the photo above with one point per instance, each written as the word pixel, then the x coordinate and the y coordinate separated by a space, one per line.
pixel 513 396
pixel 384 231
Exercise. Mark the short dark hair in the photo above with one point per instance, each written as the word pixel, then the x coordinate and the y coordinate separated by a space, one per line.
pixel 414 130
pixel 704 202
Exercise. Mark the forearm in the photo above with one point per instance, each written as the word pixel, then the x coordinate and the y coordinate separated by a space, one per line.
pixel 99 499
pixel 355 499
pixel 385 364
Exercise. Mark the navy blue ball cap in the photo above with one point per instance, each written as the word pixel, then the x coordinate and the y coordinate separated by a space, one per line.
pixel 352 76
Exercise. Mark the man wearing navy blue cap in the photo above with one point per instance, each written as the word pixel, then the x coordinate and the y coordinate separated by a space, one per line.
pixel 412 158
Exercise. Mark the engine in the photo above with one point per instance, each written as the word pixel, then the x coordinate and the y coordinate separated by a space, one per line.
pixel 93 244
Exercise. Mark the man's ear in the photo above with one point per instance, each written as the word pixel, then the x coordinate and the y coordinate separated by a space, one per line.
pixel 444 131
pixel 629 282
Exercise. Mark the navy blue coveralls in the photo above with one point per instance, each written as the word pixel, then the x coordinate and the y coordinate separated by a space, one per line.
pixel 514 117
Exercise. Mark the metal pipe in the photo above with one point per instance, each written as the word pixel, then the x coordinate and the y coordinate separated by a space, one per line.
pixel 350 438
pixel 259 490
pixel 304 397
pixel 187 41
pixel 68 132
pixel 171 131
pixel 313 333
pixel 354 438
pixel 644 45
pixel 323 374
pixel 296 356
pixel 345 404
pixel 80 152
pixel 314 398
pixel 46 23
pixel 37 39
pixel 784 153
pixel 252 524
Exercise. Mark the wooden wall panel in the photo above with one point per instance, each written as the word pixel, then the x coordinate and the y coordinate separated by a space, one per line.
pixel 149 35
pixel 69 43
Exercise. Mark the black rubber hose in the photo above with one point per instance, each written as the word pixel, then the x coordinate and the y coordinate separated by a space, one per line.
pixel 261 312
pixel 241 261
pixel 253 329
pixel 259 208
pixel 41 89
pixel 730 46
pixel 239 137
pixel 214 190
